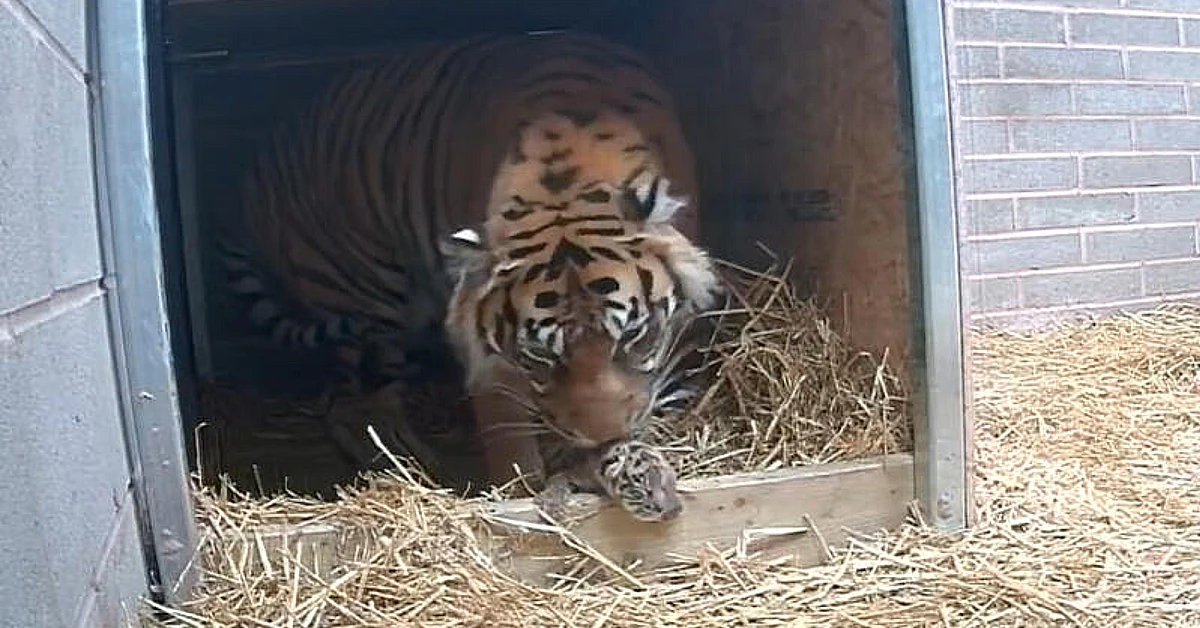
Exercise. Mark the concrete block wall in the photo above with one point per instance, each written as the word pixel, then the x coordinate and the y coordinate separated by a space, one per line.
pixel 1077 124
pixel 69 542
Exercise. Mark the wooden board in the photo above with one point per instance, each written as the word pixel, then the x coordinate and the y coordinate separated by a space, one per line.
pixel 791 512
pixel 793 108
pixel 794 513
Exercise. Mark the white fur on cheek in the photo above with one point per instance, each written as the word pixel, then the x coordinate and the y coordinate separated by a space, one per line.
pixel 694 270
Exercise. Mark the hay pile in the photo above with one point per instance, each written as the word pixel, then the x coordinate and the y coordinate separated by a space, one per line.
pixel 788 389
pixel 1088 442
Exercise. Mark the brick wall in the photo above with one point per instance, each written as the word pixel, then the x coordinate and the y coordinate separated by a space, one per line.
pixel 68 533
pixel 1078 132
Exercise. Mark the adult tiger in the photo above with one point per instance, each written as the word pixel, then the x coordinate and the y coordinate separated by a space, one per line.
pixel 557 164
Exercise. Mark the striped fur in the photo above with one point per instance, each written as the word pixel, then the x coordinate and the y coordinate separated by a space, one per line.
pixel 556 162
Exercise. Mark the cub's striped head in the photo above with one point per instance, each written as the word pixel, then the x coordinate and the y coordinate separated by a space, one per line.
pixel 640 479
pixel 578 281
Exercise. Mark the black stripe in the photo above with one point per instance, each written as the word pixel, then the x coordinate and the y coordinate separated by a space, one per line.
pixel 676 283
pixel 556 156
pixel 534 272
pixel 646 97
pixel 525 251
pixel 559 181
pixel 537 80
pixel 567 252
pixel 579 117
pixel 601 231
pixel 646 278
pixel 624 108
pixel 562 221
pixel 546 299
pixel 604 285
pixel 516 214
pixel 480 329
pixel 595 196
pixel 509 311
pixel 607 253
pixel 499 328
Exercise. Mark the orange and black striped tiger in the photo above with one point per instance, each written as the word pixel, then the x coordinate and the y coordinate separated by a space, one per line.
pixel 528 201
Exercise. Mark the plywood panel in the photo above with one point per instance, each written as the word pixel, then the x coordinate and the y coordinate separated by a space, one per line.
pixel 793 110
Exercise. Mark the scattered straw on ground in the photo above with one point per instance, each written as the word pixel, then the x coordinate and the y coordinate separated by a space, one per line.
pixel 1088 451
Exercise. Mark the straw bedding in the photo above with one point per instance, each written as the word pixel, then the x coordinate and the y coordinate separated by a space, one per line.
pixel 1086 442
pixel 785 390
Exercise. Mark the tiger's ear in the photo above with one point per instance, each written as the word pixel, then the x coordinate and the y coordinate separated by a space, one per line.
pixel 646 199
pixel 465 254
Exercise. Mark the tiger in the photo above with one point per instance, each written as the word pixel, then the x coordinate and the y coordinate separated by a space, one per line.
pixel 519 209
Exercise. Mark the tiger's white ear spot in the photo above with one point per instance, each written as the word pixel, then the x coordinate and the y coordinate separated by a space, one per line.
pixel 465 254
pixel 655 203
pixel 665 207
pixel 467 236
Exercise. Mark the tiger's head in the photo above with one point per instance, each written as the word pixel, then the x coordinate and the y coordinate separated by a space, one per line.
pixel 578 283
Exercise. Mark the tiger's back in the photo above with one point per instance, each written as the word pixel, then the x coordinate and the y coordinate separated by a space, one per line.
pixel 561 158
pixel 345 206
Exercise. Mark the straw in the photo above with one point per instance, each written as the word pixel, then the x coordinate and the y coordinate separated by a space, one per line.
pixel 1087 447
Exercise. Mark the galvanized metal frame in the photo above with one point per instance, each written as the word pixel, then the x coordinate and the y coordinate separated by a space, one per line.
pixel 136 295
pixel 942 409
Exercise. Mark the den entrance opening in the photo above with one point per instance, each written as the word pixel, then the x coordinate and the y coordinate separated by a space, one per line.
pixel 791 111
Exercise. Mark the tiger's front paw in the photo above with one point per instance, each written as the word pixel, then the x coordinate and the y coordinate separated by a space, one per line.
pixel 554 499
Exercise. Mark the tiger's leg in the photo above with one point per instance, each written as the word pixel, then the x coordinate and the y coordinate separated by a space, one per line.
pixel 357 376
pixel 323 411
pixel 575 471
pixel 510 446
pixel 555 496
pixel 508 430
pixel 346 383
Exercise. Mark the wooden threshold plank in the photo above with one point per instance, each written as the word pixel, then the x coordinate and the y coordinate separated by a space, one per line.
pixel 753 509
